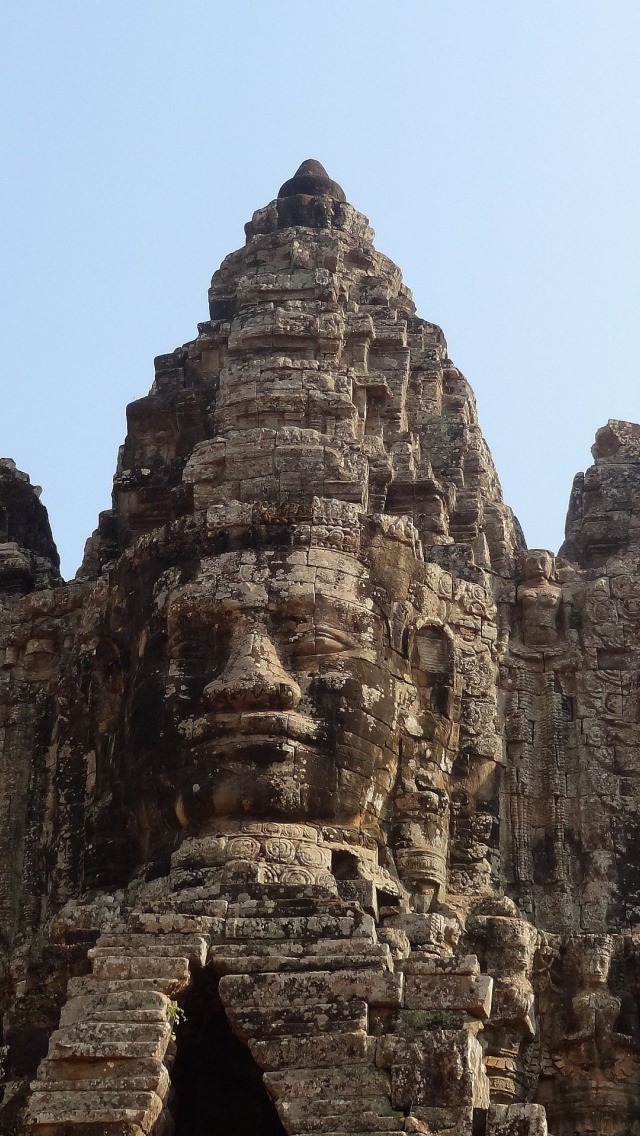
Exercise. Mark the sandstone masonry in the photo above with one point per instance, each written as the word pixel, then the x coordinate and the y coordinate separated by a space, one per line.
pixel 319 791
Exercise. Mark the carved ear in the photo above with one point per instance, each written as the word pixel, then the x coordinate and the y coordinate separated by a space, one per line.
pixel 432 651
pixel 432 662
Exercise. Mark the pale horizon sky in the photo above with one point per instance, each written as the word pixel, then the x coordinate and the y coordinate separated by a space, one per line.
pixel 493 146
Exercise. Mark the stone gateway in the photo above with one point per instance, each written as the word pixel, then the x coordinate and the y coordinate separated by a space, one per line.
pixel 319 792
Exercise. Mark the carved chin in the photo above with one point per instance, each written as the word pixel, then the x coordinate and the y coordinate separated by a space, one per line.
pixel 270 777
pixel 267 789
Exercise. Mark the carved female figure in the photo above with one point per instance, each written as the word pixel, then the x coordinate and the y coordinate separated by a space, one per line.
pixel 539 598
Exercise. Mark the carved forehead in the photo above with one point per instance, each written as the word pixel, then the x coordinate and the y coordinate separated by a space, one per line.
pixel 278 579
pixel 535 556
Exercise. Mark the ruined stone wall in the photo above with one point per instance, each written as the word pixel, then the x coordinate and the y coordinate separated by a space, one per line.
pixel 318 796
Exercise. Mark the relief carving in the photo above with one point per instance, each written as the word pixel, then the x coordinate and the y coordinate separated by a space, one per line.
pixel 539 598
pixel 318 791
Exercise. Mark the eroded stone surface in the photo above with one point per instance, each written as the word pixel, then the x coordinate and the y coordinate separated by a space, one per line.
pixel 319 791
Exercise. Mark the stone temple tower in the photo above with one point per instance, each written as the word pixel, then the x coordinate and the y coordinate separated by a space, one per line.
pixel 320 792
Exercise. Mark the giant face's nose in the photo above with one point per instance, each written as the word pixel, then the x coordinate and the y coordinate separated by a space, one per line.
pixel 253 678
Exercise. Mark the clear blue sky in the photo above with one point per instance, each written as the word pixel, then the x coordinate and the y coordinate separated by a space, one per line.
pixel 494 144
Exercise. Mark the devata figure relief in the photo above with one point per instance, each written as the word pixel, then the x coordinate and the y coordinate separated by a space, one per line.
pixel 319 791
pixel 540 598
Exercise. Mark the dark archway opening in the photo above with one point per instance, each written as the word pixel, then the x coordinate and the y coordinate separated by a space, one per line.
pixel 344 865
pixel 217 1086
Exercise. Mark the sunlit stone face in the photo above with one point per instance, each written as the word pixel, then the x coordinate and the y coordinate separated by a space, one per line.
pixel 537 565
pixel 595 960
pixel 285 693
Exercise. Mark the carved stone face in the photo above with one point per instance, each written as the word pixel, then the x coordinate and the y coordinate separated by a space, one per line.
pixel 513 947
pixel 283 689
pixel 595 960
pixel 537 565
pixel 540 598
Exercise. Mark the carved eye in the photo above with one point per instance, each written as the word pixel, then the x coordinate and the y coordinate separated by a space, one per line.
pixel 199 641
pixel 320 640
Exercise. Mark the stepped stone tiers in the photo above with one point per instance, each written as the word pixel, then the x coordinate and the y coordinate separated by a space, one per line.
pixel 320 794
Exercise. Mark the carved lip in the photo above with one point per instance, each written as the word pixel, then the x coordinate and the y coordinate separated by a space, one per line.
pixel 256 727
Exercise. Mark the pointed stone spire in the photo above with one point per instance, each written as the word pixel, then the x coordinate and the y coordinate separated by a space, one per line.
pixel 313 378
pixel 312 180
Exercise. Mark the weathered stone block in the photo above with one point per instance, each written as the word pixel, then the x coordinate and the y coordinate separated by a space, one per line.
pixel 110 1040
pixel 319 1051
pixel 451 991
pixel 380 988
pixel 105 1108
pixel 126 1005
pixel 419 963
pixel 168 974
pixel 441 1066
pixel 362 1113
pixel 148 1073
pixel 516 1120
pixel 336 1018
pixel 138 945
pixel 349 1081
